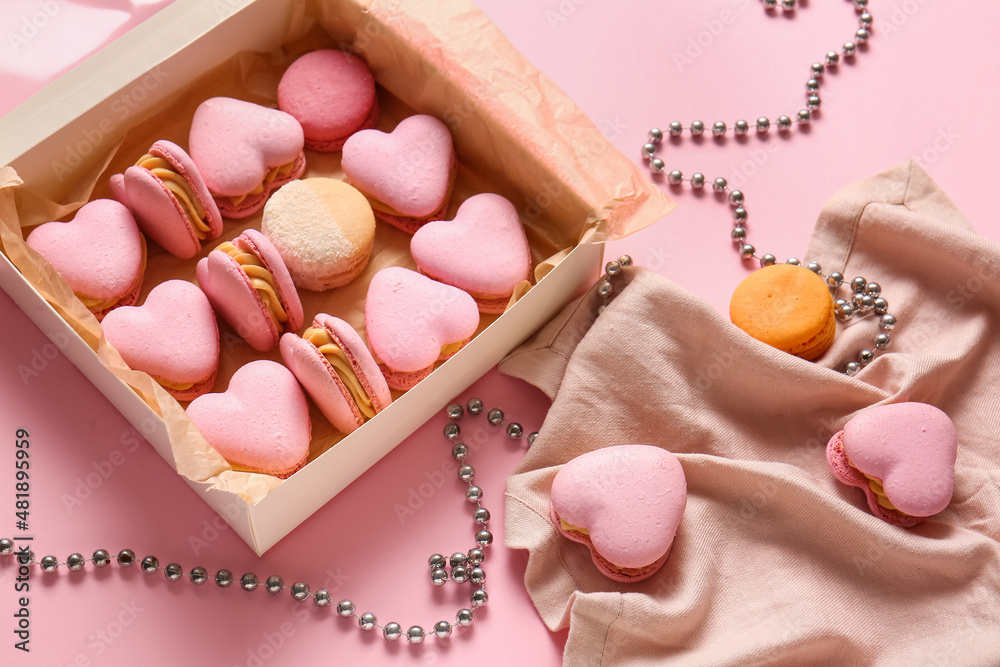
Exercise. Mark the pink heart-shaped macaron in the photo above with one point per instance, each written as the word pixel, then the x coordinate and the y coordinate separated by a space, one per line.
pixel 483 251
pixel 261 422
pixel 172 336
pixel 413 321
pixel 909 448
pixel 629 500
pixel 409 170
pixel 236 143
pixel 100 253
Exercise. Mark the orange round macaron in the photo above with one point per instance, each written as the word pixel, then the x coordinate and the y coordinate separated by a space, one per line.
pixel 788 307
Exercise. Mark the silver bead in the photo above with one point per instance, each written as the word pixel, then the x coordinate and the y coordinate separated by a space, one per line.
pixel 770 4
pixel 415 634
pixel 788 5
pixel 736 198
pixel 747 251
pixel 697 127
pixel 392 631
pixel 26 557
pixel 223 578
pixel 126 557
pixel 838 303
pixel 172 572
pixel 860 4
pixel 514 430
pixel 451 431
pixel 865 357
pixel 873 288
pixel 76 561
pixel 476 556
pixel 865 19
pixel 851 368
pixel 814 102
pixel 605 288
pixel 300 590
pixel 367 621
pixel 439 577
pixel 859 284
pixel 675 129
pixel 475 406
pixel 812 84
pixel 880 306
pixel 481 516
pixel 832 58
pixel 322 598
pixel 814 267
pixel 274 584
pixel 249 581
pixel 459 451
pixel 720 184
pixel 817 70
pixel 494 416
pixel 199 575
pixel 454 411
pixel 656 135
pixel 719 129
pixel 464 617
pixel 867 302
pixel 600 309
pixel 473 494
pixel 484 538
pixel 794 261
pixel 803 116
pixel 784 123
pixel 741 127
pixel 442 629
pixel 477 575
pixel 345 608
pixel 648 149
pixel 150 564
pixel 49 564
pixel 625 260
pixel 479 597
pixel 436 561
pixel 738 234
pixel 850 48
pixel 856 300
pixel 6 546
pixel 882 341
pixel 835 279
pixel 763 124
pixel 697 181
pixel 675 177
pixel 768 260
pixel 459 574
pixel 466 473
pixel 613 268
pixel 740 215
pixel 862 35
pixel 458 559
pixel 845 312
pixel 531 437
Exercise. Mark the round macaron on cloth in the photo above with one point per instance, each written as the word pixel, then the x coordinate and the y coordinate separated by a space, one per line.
pixel 793 309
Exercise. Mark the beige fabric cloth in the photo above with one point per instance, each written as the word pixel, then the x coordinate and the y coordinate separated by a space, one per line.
pixel 775 562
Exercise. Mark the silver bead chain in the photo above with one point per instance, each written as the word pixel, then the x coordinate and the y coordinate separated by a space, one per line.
pixel 460 568
pixel 865 297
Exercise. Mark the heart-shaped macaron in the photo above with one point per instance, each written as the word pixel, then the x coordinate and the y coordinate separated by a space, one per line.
pixel 413 321
pixel 407 174
pixel 625 504
pixel 483 251
pixel 100 253
pixel 902 456
pixel 244 151
pixel 172 336
pixel 261 422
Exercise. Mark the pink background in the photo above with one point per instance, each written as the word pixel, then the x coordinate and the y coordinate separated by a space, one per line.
pixel 921 90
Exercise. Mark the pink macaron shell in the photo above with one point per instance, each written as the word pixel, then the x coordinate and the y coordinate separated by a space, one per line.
pixel 409 169
pixel 254 203
pixel 172 336
pixel 314 373
pixel 911 448
pixel 185 166
pixel 331 94
pixel 261 246
pixel 630 499
pixel 483 250
pixel 261 422
pixel 99 252
pixel 359 357
pixel 157 212
pixel 233 297
pixel 409 318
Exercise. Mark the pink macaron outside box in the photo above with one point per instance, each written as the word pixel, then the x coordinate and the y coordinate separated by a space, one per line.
pixel 572 188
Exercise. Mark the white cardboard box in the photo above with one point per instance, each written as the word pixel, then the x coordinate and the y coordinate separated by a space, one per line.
pixel 66 129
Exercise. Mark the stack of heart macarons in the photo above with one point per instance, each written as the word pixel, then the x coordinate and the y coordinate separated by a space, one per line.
pixel 237 201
